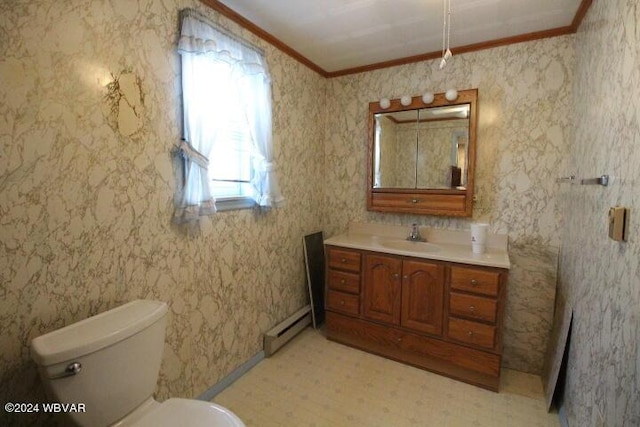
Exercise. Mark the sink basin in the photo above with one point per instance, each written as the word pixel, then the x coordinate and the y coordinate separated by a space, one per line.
pixel 407 245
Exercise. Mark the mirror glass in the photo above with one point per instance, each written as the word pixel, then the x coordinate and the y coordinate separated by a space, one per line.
pixel 425 148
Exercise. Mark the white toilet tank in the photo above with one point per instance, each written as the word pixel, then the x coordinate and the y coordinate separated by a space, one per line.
pixel 116 357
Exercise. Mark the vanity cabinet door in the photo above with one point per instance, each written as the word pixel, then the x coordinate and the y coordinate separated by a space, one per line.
pixel 422 296
pixel 381 288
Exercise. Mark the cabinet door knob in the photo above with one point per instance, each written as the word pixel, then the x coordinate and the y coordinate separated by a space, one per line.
pixel 472 308
pixel 470 333
pixel 343 260
pixel 341 302
pixel 474 282
pixel 396 275
pixel 399 339
pixel 342 281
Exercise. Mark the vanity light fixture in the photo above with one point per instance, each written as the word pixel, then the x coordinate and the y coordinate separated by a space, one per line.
pixel 427 97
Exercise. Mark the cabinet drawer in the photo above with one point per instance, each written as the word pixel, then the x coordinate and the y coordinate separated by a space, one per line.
pixel 472 333
pixel 476 281
pixel 416 202
pixel 345 303
pixel 344 260
pixel 458 361
pixel 345 282
pixel 472 306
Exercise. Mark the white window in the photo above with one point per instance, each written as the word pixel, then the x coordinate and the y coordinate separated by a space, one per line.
pixel 230 158
pixel 227 122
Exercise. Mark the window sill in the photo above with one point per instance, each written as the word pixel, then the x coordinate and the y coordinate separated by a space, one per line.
pixel 224 204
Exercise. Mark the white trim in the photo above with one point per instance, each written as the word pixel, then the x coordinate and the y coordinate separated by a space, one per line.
pixel 217 388
pixel 562 417
pixel 234 203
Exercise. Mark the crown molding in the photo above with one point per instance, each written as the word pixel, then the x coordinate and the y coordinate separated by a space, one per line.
pixel 279 44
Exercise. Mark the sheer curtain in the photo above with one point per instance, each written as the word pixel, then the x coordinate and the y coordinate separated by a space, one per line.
pixel 257 89
pixel 201 46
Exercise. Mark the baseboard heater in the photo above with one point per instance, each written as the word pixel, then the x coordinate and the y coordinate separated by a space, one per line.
pixel 285 330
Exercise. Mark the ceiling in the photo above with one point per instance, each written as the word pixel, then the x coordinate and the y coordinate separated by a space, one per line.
pixel 341 36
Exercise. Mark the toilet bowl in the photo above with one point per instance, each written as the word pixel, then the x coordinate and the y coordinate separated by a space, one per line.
pixel 108 365
pixel 184 412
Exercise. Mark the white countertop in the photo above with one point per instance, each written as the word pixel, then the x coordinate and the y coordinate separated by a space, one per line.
pixel 443 245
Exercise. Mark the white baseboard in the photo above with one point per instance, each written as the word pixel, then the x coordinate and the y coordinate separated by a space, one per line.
pixel 229 379
pixel 562 416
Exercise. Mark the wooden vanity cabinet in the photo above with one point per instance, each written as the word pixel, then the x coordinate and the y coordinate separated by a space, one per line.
pixel 439 316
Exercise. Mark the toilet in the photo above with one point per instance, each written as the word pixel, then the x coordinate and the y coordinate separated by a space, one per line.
pixel 107 367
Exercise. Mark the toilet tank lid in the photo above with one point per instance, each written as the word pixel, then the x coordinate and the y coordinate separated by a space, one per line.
pixel 96 332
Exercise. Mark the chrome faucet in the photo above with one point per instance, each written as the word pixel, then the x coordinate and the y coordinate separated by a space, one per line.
pixel 414 234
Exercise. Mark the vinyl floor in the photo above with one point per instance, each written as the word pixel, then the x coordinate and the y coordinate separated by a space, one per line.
pixel 313 382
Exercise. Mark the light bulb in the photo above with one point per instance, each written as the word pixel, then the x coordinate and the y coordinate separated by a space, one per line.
pixel 427 97
pixel 451 95
pixel 385 103
pixel 405 100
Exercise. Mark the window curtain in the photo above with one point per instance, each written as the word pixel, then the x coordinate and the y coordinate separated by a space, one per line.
pixel 256 87
pixel 201 42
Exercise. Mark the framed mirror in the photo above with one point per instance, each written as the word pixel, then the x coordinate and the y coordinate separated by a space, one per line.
pixel 422 156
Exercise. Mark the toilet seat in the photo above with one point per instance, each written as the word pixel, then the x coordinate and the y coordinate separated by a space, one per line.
pixel 189 413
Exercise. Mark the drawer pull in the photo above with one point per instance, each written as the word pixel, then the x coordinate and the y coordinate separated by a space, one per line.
pixel 342 281
pixel 470 333
pixel 396 276
pixel 414 201
pixel 343 260
pixel 399 339
pixel 474 282
pixel 341 302
pixel 472 309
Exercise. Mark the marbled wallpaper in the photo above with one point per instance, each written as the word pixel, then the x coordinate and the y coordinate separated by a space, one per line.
pixel 87 187
pixel 523 136
pixel 401 154
pixel 435 141
pixel 600 278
